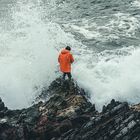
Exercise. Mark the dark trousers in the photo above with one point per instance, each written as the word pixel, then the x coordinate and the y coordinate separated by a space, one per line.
pixel 68 74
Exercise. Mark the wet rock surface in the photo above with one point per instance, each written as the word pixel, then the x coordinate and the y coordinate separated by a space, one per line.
pixel 68 115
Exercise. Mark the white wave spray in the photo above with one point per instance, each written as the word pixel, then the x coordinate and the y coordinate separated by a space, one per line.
pixel 28 60
pixel 28 57
pixel 115 76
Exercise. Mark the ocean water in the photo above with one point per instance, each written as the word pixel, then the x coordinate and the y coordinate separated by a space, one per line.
pixel 104 37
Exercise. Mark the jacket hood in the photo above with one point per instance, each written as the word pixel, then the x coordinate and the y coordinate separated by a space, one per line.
pixel 64 51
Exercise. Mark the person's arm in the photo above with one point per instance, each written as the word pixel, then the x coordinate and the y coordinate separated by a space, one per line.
pixel 59 58
pixel 71 58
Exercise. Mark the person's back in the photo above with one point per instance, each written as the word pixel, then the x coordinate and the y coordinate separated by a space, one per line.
pixel 65 59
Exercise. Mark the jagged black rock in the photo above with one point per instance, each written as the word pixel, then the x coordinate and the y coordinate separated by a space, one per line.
pixel 68 115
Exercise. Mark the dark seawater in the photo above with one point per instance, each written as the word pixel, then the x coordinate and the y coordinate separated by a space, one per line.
pixel 102 24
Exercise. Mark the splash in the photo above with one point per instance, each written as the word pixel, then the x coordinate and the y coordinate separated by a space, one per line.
pixel 136 4
pixel 28 54
pixel 115 75
pixel 29 48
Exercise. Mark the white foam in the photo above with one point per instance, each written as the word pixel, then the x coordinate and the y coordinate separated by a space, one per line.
pixel 124 24
pixel 87 34
pixel 136 3
pixel 119 25
pixel 114 76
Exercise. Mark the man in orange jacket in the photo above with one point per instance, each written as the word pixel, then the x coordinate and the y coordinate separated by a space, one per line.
pixel 65 60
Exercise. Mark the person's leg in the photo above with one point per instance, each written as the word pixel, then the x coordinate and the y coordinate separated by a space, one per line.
pixel 69 75
pixel 70 83
pixel 64 74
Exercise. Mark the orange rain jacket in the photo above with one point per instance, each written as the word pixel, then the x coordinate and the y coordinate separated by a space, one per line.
pixel 65 59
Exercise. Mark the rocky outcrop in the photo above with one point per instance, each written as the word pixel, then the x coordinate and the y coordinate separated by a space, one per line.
pixel 65 113
pixel 116 122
